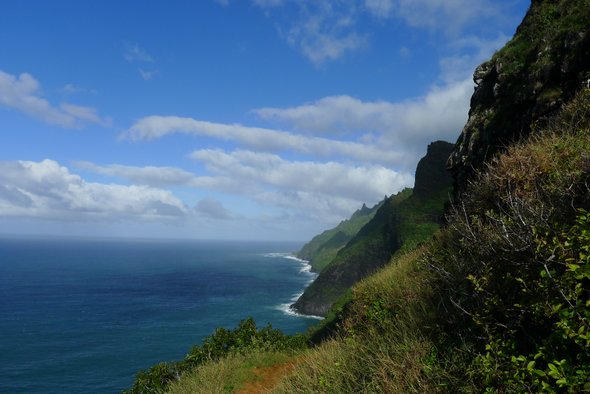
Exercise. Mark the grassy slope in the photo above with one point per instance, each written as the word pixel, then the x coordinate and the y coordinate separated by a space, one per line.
pixel 469 311
pixel 322 249
pixel 403 221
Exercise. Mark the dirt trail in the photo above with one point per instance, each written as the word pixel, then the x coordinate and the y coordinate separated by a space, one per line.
pixel 269 376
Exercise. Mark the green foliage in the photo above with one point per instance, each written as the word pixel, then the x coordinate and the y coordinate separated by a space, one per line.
pixel 557 296
pixel 322 249
pixel 402 222
pixel 246 338
pixel 510 269
pixel 549 24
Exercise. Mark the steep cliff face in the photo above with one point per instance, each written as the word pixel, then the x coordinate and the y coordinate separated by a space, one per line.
pixel 524 83
pixel 430 175
pixel 402 220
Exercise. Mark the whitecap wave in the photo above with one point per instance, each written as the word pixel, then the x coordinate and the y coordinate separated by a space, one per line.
pixel 286 309
pixel 304 270
pixel 305 265
pixel 276 255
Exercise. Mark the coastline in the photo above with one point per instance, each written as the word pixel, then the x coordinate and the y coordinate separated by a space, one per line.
pixel 306 268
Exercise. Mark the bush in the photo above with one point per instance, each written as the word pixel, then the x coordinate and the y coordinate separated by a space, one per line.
pixel 244 339
pixel 510 271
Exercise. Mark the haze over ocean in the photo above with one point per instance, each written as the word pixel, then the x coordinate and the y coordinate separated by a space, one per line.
pixel 85 315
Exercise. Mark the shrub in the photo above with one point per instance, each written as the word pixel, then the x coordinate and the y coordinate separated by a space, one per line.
pixel 510 269
pixel 244 339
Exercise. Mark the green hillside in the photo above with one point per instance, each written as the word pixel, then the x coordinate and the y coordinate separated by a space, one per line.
pixel 402 221
pixel 323 247
pixel 497 303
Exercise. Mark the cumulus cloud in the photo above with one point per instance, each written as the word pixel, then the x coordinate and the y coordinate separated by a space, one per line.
pixel 357 183
pixel 323 192
pixel 23 93
pixel 48 190
pixel 411 124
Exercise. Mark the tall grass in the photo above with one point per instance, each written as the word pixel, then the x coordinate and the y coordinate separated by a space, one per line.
pixel 496 302
pixel 381 346
pixel 228 374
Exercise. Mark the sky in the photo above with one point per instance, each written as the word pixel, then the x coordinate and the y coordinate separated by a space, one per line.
pixel 227 119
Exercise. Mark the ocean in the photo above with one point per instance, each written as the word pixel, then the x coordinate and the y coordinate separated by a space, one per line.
pixel 83 316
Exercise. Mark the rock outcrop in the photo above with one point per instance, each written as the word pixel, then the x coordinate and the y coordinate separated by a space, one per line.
pixel 524 83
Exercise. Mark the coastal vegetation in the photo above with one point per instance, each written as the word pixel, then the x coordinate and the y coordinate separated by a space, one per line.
pixel 495 298
pixel 322 249
pixel 402 221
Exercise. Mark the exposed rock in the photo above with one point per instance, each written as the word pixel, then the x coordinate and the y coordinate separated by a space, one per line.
pixel 430 174
pixel 524 83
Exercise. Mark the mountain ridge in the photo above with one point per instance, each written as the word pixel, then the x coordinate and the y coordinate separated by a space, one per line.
pixel 394 223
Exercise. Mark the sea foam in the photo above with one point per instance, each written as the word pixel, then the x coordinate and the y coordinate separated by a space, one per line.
pixel 304 270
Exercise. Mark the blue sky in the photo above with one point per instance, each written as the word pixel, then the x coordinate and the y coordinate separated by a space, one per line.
pixel 227 119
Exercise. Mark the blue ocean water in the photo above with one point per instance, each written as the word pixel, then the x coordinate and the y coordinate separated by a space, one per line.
pixel 84 316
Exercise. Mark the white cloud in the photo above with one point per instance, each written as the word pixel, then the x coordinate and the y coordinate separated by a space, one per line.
pixel 447 15
pixel 322 30
pixel 405 52
pixel 23 93
pixel 84 114
pixel 152 127
pixel 321 192
pixel 328 30
pixel 399 127
pixel 149 175
pixel 379 132
pixel 74 89
pixel 354 183
pixel 325 36
pixel 47 190
pixel 163 177
pixel 133 53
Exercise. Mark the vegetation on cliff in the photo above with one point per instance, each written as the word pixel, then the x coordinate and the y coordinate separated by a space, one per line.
pixel 322 249
pixel 498 302
pixel 402 221
pixel 525 83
